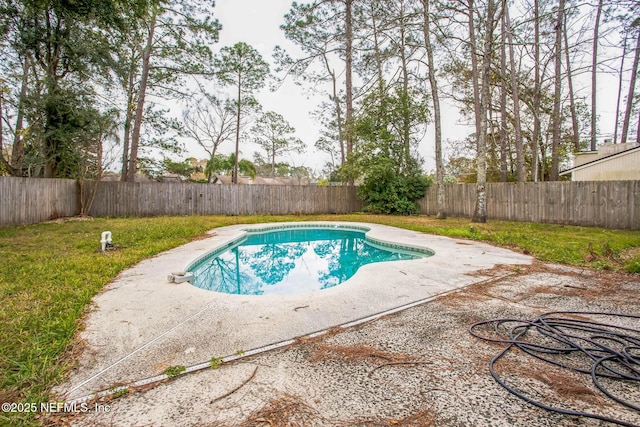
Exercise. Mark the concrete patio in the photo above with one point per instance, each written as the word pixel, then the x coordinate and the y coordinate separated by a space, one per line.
pixel 417 365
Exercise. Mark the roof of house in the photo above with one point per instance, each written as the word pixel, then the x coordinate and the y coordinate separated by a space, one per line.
pixel 600 160
pixel 171 177
pixel 116 177
pixel 225 179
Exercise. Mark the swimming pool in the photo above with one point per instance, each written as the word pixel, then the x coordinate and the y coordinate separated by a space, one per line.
pixel 290 260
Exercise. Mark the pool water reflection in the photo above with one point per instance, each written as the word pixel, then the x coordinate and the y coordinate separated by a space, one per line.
pixel 291 261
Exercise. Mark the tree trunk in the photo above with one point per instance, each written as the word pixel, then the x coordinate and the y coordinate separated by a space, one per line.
pixel 632 86
pixel 594 73
pixel 128 118
pixel 3 161
pixel 56 32
pixel 516 100
pixel 209 169
pixel 382 101
pixel 406 119
pixel 234 177
pixel 572 104
pixel 142 90
pixel 17 153
pixel 273 161
pixel 336 100
pixel 480 212
pixel 638 129
pixel 620 73
pixel 503 99
pixel 348 52
pixel 535 143
pixel 474 70
pixel 440 196
pixel 555 142
pixel 53 122
pixel 376 49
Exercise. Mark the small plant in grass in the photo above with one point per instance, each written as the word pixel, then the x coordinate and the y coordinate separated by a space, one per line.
pixel 174 371
pixel 240 353
pixel 601 265
pixel 633 266
pixel 215 362
pixel 120 392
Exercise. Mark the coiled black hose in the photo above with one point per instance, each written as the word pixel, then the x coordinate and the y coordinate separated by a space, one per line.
pixel 609 350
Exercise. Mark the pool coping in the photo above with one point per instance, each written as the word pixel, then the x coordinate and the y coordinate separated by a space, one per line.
pixel 141 324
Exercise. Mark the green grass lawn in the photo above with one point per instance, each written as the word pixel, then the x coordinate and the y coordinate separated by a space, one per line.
pixel 49 273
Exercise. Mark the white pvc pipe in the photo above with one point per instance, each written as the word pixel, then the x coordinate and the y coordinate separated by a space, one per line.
pixel 106 238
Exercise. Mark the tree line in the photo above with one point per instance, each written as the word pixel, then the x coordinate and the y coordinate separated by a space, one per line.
pixel 80 78
pixel 523 73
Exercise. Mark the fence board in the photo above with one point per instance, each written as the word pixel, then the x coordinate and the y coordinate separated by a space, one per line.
pixel 608 204
pixel 29 200
pixel 149 199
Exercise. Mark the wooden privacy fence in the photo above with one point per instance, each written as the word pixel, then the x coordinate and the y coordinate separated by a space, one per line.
pixel 607 204
pixel 33 200
pixel 148 199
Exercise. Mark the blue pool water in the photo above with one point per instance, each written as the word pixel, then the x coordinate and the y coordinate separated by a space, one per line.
pixel 290 261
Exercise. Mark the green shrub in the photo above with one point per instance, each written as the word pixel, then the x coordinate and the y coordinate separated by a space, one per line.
pixel 633 266
pixel 385 191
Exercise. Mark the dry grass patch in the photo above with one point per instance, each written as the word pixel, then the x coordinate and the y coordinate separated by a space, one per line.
pixel 285 411
pixel 291 411
pixel 566 385
pixel 422 418
pixel 598 285
pixel 9 395
pixel 463 298
pixel 472 294
pixel 355 353
pixel 629 254
pixel 601 289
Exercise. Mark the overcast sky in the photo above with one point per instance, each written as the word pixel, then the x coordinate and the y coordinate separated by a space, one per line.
pixel 257 23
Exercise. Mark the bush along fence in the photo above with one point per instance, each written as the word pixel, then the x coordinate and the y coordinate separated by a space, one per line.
pixel 607 204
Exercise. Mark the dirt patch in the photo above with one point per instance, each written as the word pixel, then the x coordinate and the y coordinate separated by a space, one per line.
pixel 291 411
pixel 423 418
pixel 354 353
pixel 629 253
pixel 562 383
pixel 285 411
pixel 10 395
pixel 69 219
